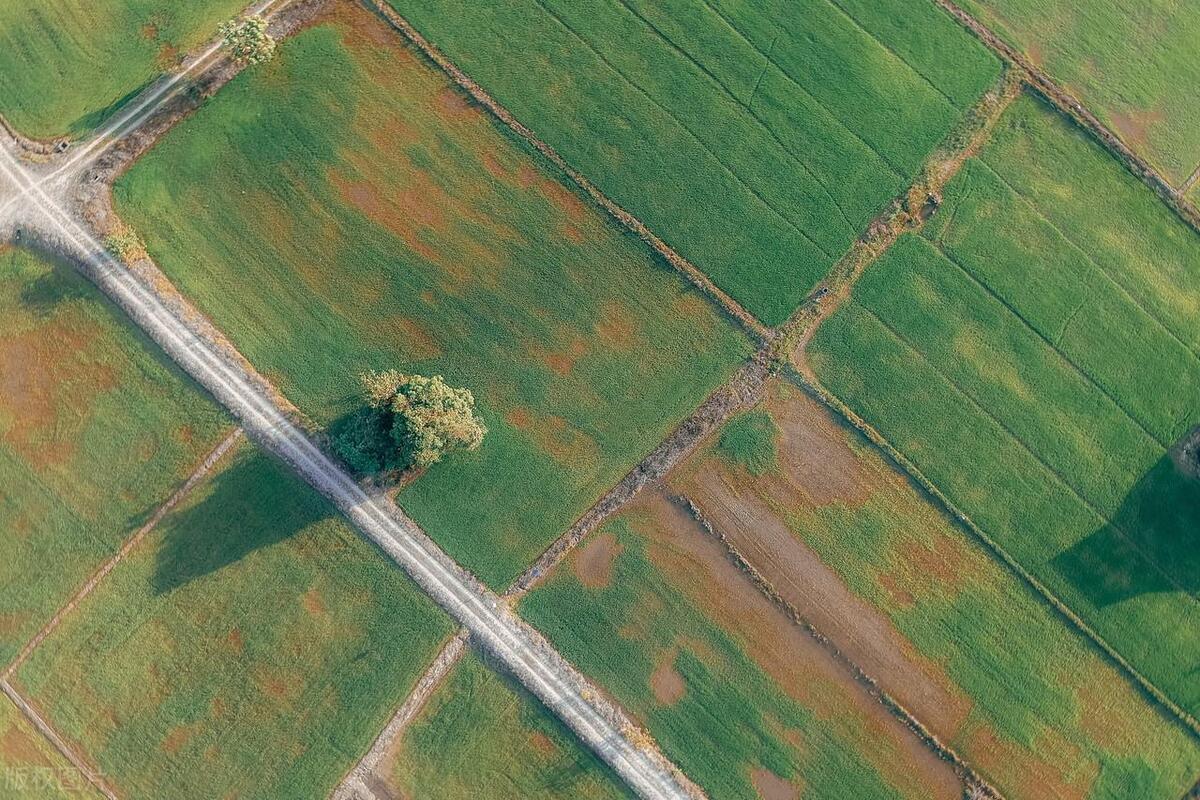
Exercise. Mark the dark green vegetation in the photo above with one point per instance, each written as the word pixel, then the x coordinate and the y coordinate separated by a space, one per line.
pixel 731 689
pixel 1035 355
pixel 252 646
pixel 342 209
pixel 979 658
pixel 96 431
pixel 758 139
pixel 67 64
pixel 749 440
pixel 483 735
pixel 1132 63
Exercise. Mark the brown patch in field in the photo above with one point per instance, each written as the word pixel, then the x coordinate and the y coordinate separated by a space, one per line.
pixel 1035 55
pixel 19 747
pixel 313 603
pixel 593 562
pixel 571 233
pixel 1029 772
pixel 617 326
pixel 408 335
pixel 391 132
pixel 750 512
pixel 897 594
pixel 49 378
pixel 1134 125
pixel 427 297
pixel 236 641
pixel 772 787
pixel 12 621
pixel 149 32
pixel 666 683
pixel 168 57
pixel 555 436
pixel 176 738
pixel 1107 714
pixel 358 23
pixel 814 451
pixel 562 361
pixel 453 104
pixel 542 743
pixel 493 166
pixel 563 199
pixel 695 309
pixel 527 176
pixel 699 566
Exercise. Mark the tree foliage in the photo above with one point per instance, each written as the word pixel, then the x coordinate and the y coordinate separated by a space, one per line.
pixel 248 40
pixel 410 421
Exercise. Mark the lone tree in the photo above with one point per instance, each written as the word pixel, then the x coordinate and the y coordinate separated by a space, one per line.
pixel 410 421
pixel 248 40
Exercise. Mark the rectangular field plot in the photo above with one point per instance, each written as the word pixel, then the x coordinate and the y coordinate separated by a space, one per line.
pixel 758 139
pixel 1132 63
pixel 66 64
pixel 252 638
pixel 483 735
pixel 96 430
pixel 343 209
pixel 736 694
pixel 982 661
pixel 1035 355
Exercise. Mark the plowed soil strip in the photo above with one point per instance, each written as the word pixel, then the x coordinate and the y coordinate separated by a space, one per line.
pixel 130 543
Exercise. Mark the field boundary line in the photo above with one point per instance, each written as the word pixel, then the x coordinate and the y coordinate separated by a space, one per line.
pixel 689 271
pixel 906 213
pixel 360 782
pixel 741 391
pixel 1070 105
pixel 970 777
pixel 1183 190
pixel 130 543
pixel 58 742
pixel 1156 696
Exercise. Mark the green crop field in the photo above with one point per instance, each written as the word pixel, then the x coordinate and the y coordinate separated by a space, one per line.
pixel 96 431
pixel 1132 63
pixel 758 139
pixel 343 209
pixel 252 645
pixel 1035 355
pixel 30 769
pixel 67 64
pixel 985 663
pixel 733 691
pixel 483 735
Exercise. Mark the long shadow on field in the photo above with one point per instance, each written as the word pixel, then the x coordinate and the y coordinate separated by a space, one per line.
pixel 251 504
pixel 1159 521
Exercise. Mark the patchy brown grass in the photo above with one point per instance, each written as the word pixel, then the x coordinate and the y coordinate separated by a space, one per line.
pixel 593 562
pixel 772 787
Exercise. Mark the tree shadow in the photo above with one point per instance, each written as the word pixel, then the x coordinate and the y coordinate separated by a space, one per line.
pixel 1153 545
pixel 253 503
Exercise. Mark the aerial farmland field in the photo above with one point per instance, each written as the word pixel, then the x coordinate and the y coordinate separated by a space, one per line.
pixel 415 235
pixel 1133 63
pixel 779 119
pixel 1042 345
pixel 95 432
pixel 959 641
pixel 67 64
pixel 251 637
pixel 740 697
pixel 483 734
pixel 687 400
